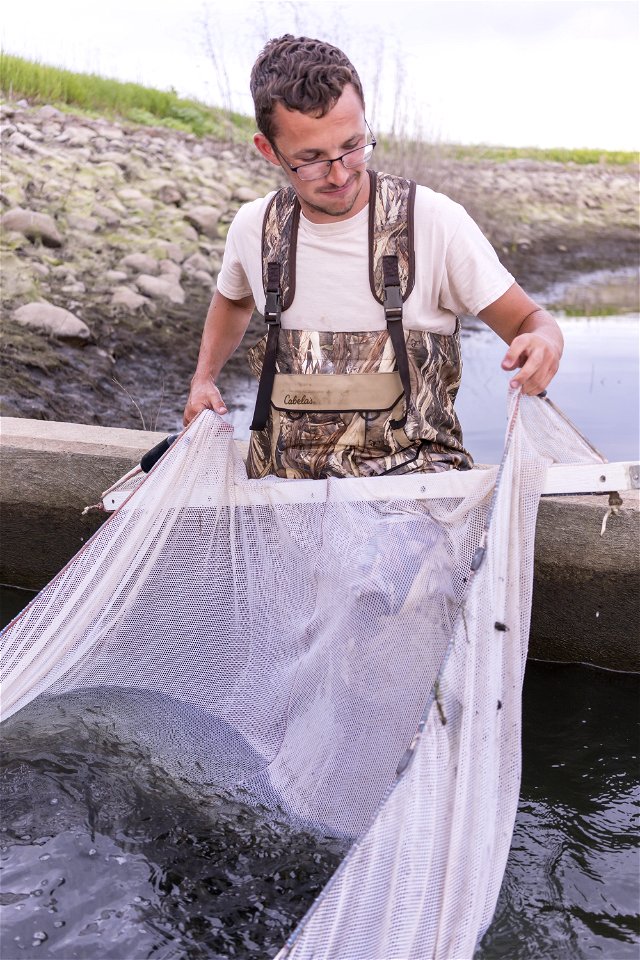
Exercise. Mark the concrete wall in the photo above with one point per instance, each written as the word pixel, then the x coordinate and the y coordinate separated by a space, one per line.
pixel 586 604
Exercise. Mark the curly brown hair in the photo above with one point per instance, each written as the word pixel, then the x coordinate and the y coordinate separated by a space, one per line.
pixel 301 74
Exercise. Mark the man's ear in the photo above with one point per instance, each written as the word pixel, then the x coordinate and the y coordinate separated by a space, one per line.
pixel 265 148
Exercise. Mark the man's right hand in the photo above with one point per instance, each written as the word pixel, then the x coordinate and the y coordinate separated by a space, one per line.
pixel 203 395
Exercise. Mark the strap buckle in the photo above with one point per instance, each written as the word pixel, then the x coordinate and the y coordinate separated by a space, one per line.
pixel 392 303
pixel 272 307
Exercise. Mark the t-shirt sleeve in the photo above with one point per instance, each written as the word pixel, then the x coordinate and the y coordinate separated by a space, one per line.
pixel 232 279
pixel 473 277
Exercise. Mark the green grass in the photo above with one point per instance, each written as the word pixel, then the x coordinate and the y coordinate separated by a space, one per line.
pixel 99 96
pixel 95 95
pixel 483 152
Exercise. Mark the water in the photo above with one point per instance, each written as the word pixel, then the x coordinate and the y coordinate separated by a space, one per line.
pixel 103 855
pixel 596 386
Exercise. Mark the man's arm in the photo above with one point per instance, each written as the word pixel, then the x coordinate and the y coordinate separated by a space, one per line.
pixel 534 338
pixel 224 328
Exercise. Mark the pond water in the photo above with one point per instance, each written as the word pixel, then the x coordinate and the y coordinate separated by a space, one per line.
pixel 596 387
pixel 104 856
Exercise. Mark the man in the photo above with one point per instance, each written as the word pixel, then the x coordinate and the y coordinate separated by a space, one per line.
pixel 311 118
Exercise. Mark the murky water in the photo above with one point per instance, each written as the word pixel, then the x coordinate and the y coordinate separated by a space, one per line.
pixel 104 856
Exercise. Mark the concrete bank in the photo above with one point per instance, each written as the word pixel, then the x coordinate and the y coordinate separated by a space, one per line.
pixel 586 603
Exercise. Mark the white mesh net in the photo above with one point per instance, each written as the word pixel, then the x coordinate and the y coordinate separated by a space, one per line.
pixel 286 639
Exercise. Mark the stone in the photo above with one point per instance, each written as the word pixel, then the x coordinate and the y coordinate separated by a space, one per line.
pixel 128 299
pixel 86 224
pixel 205 220
pixel 18 139
pixel 115 276
pixel 74 288
pixel 141 263
pixel 109 217
pixel 170 269
pixel 204 278
pixel 197 262
pixel 35 226
pixel 161 288
pixel 166 191
pixel 78 136
pixel 56 321
pixel 170 251
pixel 48 112
pixel 130 195
pixel 245 194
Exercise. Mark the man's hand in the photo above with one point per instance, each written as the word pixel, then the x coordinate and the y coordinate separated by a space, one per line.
pixel 224 328
pixel 534 338
pixel 538 358
pixel 203 395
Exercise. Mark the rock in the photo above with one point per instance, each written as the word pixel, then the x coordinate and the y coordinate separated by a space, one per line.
pixel 23 104
pixel 170 269
pixel 130 195
pixel 170 251
pixel 74 288
pixel 245 194
pixel 77 136
pixel 48 112
pixel 86 224
pixel 115 276
pixel 19 140
pixel 204 278
pixel 205 219
pixel 141 263
pixel 35 226
pixel 166 191
pixel 196 262
pixel 41 269
pixel 55 321
pixel 161 288
pixel 127 298
pixel 106 215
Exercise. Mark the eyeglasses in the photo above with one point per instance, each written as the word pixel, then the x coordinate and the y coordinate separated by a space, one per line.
pixel 318 169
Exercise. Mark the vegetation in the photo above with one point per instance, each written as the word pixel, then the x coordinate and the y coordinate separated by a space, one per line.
pixel 95 95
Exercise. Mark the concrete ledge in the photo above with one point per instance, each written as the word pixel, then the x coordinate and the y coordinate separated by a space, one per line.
pixel 586 602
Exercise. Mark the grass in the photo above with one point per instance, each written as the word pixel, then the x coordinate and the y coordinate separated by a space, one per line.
pixel 95 95
pixel 100 96
pixel 479 152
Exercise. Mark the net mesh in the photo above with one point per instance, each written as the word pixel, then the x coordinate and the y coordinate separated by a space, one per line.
pixel 333 649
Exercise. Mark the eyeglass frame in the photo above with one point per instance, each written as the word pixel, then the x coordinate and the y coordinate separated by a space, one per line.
pixel 372 143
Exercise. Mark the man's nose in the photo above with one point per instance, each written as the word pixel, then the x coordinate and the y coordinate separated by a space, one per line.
pixel 338 175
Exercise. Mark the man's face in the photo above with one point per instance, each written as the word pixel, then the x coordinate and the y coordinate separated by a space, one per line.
pixel 301 138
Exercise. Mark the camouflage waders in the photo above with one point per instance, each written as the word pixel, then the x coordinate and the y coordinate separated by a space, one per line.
pixel 361 403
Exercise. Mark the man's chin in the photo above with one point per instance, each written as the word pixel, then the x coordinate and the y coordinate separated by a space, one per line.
pixel 339 206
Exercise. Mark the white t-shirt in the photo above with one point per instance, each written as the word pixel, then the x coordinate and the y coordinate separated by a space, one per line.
pixel 457 270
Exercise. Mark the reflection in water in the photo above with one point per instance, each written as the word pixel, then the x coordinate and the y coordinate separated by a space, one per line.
pixel 571 888
pixel 103 855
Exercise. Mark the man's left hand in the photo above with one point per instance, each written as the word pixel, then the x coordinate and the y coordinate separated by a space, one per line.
pixel 538 358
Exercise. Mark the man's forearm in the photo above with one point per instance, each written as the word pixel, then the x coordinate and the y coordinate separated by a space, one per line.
pixel 224 328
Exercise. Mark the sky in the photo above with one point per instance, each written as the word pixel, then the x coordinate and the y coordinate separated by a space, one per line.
pixel 511 72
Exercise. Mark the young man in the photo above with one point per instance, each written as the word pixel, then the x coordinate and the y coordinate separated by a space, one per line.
pixel 311 117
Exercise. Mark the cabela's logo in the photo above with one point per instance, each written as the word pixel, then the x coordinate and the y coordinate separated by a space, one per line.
pixel 295 399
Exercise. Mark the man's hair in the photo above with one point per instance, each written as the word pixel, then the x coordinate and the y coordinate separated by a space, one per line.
pixel 301 74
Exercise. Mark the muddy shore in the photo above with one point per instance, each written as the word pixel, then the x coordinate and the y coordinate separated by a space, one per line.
pixel 550 223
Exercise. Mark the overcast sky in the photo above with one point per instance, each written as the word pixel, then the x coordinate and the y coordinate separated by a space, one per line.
pixel 515 72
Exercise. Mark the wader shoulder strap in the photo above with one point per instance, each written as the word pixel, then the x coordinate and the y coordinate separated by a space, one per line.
pixel 392 262
pixel 391 271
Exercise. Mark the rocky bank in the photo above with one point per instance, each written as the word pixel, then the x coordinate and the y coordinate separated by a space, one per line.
pixel 113 236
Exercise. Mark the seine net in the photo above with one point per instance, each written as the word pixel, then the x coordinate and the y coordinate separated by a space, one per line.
pixel 349 652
